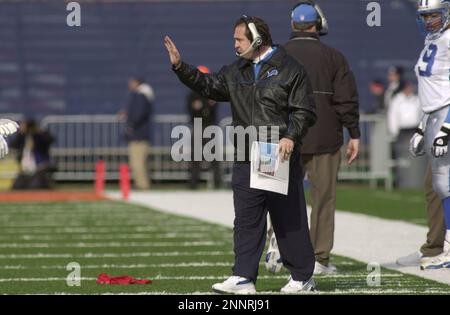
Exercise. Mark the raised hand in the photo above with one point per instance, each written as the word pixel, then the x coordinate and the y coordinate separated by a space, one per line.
pixel 174 54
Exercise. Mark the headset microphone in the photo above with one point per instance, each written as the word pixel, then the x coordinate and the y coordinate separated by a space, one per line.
pixel 257 39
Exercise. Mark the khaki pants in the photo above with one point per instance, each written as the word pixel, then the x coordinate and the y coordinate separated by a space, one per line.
pixel 138 153
pixel 322 170
pixel 435 218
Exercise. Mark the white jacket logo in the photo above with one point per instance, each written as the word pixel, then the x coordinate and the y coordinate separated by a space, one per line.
pixel 272 73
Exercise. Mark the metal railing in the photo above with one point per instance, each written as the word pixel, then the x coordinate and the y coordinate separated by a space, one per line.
pixel 374 161
pixel 81 140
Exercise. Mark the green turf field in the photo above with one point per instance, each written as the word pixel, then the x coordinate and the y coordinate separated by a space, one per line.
pixel 405 205
pixel 180 255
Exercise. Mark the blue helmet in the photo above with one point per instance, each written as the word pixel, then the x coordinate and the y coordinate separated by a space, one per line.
pixel 306 11
pixel 433 16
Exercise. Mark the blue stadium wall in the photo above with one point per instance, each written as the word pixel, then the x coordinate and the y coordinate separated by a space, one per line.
pixel 47 67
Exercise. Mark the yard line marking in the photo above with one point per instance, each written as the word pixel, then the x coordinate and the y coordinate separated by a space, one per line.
pixel 102 230
pixel 114 244
pixel 58 224
pixel 153 278
pixel 125 266
pixel 94 222
pixel 149 236
pixel 336 292
pixel 266 277
pixel 131 293
pixel 114 255
pixel 361 276
pixel 42 279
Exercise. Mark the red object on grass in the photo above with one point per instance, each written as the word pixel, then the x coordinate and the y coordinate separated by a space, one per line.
pixel 106 279
pixel 99 177
pixel 125 185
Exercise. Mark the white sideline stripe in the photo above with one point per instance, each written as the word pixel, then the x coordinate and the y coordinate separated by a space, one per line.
pixel 114 255
pixel 5 214
pixel 94 230
pixel 381 291
pixel 129 293
pixel 48 279
pixel 336 292
pixel 358 236
pixel 124 266
pixel 190 265
pixel 123 234
pixel 268 277
pixel 43 279
pixel 159 293
pixel 54 225
pixel 72 212
pixel 135 293
pixel 114 225
pixel 153 278
pixel 113 244
pixel 18 221
pixel 7 224
pixel 51 237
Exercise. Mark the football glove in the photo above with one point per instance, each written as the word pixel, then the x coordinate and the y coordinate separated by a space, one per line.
pixel 417 143
pixel 440 142
pixel 8 127
pixel 3 147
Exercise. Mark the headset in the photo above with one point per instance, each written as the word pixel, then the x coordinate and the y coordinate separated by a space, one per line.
pixel 322 23
pixel 257 39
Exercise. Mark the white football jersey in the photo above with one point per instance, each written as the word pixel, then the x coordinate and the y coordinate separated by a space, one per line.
pixel 433 73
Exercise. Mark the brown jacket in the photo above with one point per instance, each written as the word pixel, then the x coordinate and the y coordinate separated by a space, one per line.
pixel 335 93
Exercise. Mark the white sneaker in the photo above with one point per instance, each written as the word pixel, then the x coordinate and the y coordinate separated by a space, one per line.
pixel 235 285
pixel 415 259
pixel 272 260
pixel 298 286
pixel 410 260
pixel 320 269
pixel 439 262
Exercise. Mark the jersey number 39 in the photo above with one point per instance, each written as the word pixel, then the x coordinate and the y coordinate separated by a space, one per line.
pixel 428 60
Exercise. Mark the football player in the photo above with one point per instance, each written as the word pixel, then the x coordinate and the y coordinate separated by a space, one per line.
pixel 431 137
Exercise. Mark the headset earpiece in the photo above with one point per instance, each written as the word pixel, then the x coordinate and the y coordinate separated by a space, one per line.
pixel 256 37
pixel 322 23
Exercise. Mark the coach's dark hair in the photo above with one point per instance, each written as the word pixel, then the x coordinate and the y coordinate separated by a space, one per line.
pixel 261 27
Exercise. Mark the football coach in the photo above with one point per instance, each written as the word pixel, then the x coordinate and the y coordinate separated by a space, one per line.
pixel 266 87
pixel 336 99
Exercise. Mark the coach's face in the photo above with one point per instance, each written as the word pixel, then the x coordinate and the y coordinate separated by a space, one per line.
pixel 241 42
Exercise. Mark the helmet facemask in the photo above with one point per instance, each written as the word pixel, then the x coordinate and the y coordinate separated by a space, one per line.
pixel 436 22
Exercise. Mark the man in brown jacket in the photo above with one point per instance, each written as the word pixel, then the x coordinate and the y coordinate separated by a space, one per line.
pixel 336 100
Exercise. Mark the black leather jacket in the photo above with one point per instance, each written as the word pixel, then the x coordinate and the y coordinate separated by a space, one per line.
pixel 281 95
